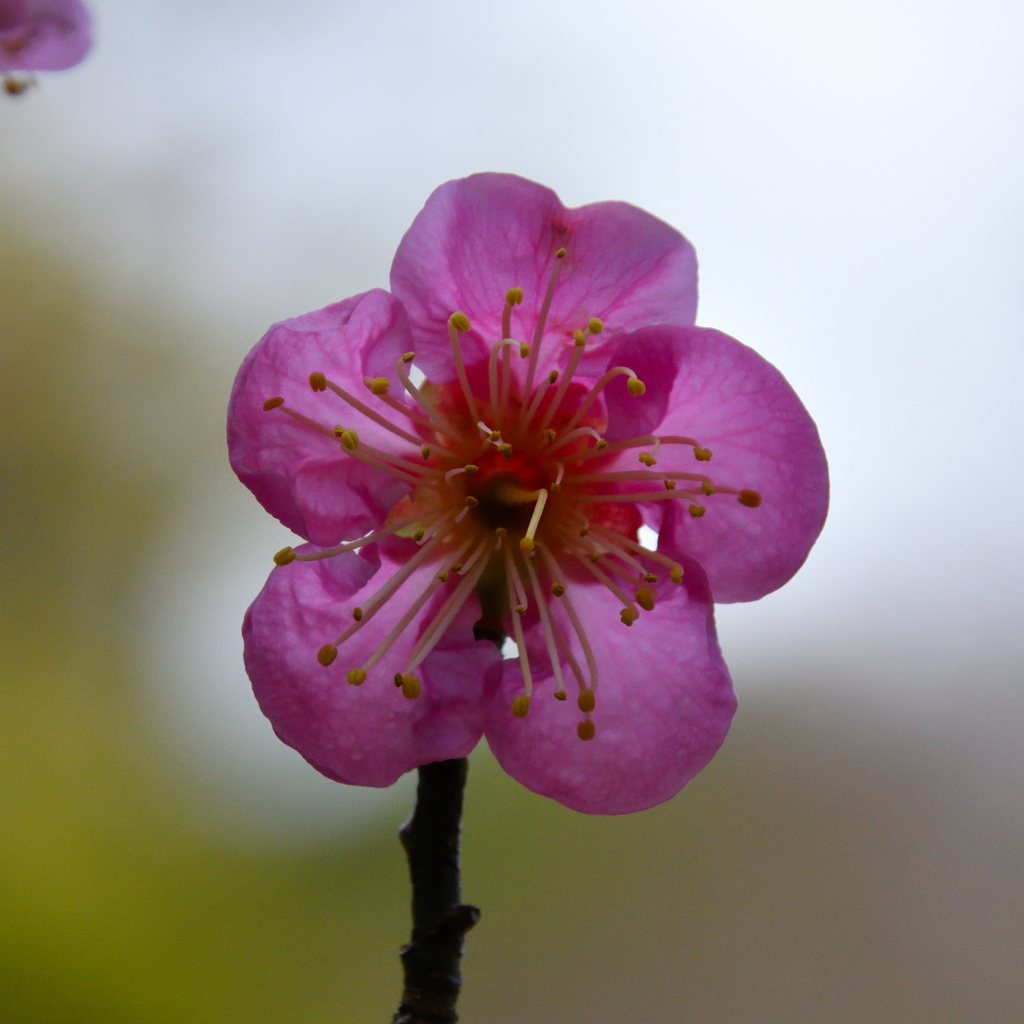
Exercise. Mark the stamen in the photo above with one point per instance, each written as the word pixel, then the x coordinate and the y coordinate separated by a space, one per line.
pixel 458 323
pixel 272 403
pixel 557 485
pixel 499 403
pixel 371 414
pixel 538 332
pixel 443 620
pixel 378 600
pixel 585 730
pixel 285 556
pixel 512 572
pixel 513 297
pixel 452 473
pixel 471 502
pixel 555 571
pixel 354 545
pixel 499 534
pixel 594 327
pixel 580 432
pixel 545 622
pixel 609 583
pixel 634 384
pixel 637 442
pixel 404 621
pixel 517 630
pixel 435 420
pixel 632 545
pixel 527 543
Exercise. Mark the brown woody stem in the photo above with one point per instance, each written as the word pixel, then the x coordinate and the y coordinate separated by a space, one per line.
pixel 432 959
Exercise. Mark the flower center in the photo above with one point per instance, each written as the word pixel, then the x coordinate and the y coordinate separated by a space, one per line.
pixel 511 497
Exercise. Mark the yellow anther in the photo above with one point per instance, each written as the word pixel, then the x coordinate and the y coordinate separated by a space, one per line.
pixel 594 557
pixel 560 694
pixel 647 459
pixel 514 296
pixel 584 530
pixel 552 376
pixel 284 556
pixel 601 445
pixel 460 322
pixel 410 687
pixel 707 488
pixel 317 381
pixel 442 577
pixel 635 386
pixel 670 485
pixel 555 488
pixel 585 730
pixel 749 498
pixel 557 589
pixel 494 435
pixel 676 575
pixel 457 566
pixel 357 614
pixel 521 705
pixel 702 454
pixel 649 577
pixel 595 325
pixel 506 449
pixel 350 439
pixel 425 452
pixel 580 338
pixel 586 701
pixel 272 403
pixel 549 435
pixel 520 609
pixel 645 598
pixel 471 501
pixel 501 532
pixel 327 654
pixel 379 385
pixel 408 357
pixel 526 544
pixel 356 676
pixel 398 679
pixel 471 469
pixel 419 534
pixel 338 430
pixel 560 254
pixel 628 616
pixel 697 511
pixel 524 350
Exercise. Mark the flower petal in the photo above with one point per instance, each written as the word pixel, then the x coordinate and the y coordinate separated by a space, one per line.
pixel 479 236
pixel 664 704
pixel 366 735
pixel 703 384
pixel 300 476
pixel 43 35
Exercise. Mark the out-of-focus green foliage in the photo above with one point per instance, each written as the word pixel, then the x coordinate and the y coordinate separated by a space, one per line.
pixel 801 879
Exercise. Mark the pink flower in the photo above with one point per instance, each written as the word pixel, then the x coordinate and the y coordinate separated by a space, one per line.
pixel 42 35
pixel 568 399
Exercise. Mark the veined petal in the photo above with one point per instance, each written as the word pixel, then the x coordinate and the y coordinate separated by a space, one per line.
pixel 366 735
pixel 43 35
pixel 664 704
pixel 707 385
pixel 479 236
pixel 300 476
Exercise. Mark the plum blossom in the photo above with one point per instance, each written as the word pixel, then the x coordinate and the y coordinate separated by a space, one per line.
pixel 470 456
pixel 41 35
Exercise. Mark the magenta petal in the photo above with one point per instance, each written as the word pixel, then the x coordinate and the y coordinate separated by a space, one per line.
pixel 300 476
pixel 711 387
pixel 365 735
pixel 479 236
pixel 664 705
pixel 42 35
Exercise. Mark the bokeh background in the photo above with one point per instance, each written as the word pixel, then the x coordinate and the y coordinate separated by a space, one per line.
pixel 850 174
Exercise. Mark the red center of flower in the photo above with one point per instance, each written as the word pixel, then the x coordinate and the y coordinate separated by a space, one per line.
pixel 512 498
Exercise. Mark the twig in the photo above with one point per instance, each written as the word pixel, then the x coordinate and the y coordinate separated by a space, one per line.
pixel 433 975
